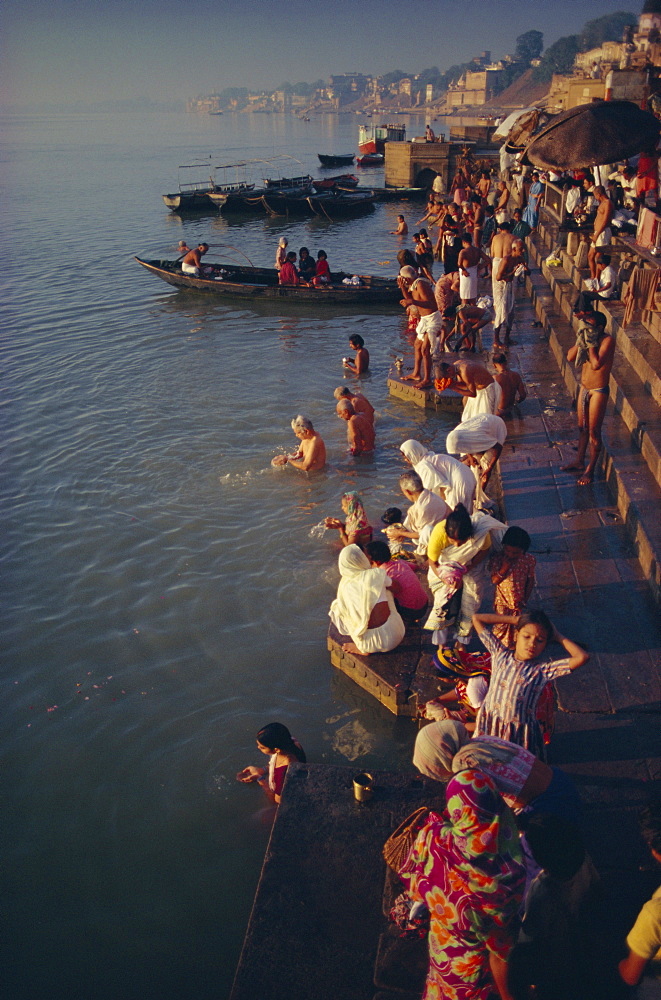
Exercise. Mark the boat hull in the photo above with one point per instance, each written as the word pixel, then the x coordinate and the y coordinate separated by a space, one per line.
pixel 328 160
pixel 262 284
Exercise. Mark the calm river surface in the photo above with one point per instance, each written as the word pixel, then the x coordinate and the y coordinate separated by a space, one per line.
pixel 165 594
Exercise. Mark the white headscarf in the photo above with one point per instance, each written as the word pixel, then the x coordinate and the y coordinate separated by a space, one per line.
pixel 476 435
pixel 414 451
pixel 361 587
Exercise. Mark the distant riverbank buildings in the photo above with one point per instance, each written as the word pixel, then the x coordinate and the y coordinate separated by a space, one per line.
pixel 629 69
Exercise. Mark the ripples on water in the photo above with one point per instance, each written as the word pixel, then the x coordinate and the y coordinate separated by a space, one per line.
pixel 166 589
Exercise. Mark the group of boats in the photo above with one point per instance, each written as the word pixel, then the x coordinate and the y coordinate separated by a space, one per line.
pixel 328 197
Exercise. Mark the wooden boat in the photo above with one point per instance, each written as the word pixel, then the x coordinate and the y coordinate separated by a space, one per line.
pixel 339 180
pixel 289 185
pixel 335 160
pixel 400 193
pixel 370 160
pixel 261 283
pixel 373 138
pixel 334 204
pixel 222 192
pixel 342 204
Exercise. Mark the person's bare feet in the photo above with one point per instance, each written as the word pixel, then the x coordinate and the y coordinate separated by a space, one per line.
pixel 422 385
pixel 586 479
pixel 413 377
pixel 350 647
pixel 572 467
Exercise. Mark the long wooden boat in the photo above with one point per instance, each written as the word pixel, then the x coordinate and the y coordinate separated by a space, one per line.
pixel 371 160
pixel 335 159
pixel 261 283
pixel 327 204
pixel 338 180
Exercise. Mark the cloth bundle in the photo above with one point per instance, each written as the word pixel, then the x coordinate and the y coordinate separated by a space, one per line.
pixel 587 337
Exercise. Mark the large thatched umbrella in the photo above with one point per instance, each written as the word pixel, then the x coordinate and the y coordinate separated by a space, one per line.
pixel 590 134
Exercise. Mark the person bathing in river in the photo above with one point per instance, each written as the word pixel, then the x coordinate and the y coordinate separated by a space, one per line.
pixel 362 361
pixel 311 456
pixel 282 749
pixel 359 402
pixel 402 228
pixel 360 430
pixel 356 529
pixel 191 262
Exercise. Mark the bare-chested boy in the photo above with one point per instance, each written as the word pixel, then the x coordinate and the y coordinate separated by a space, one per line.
pixel 419 299
pixel 473 381
pixel 311 456
pixel 360 430
pixel 593 394
pixel 512 389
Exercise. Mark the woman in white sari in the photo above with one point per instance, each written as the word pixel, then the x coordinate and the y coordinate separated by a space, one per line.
pixel 364 608
pixel 442 474
pixel 465 540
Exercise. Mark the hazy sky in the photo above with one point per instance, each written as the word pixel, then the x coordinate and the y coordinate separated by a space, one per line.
pixel 85 50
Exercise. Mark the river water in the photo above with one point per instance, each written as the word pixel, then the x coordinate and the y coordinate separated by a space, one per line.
pixel 166 593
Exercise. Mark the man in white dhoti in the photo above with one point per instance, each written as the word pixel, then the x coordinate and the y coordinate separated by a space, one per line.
pixel 472 380
pixel 509 267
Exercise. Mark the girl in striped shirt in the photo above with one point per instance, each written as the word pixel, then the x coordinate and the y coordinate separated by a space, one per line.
pixel 519 676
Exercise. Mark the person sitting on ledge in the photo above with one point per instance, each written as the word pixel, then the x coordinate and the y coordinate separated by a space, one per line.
pixel 322 273
pixel 364 611
pixel 311 456
pixel 356 530
pixel 276 741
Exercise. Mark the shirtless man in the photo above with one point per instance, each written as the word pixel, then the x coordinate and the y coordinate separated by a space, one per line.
pixel 446 293
pixel 402 228
pixel 469 258
pixel 191 262
pixel 503 196
pixel 601 234
pixel 508 267
pixel 359 402
pixel 362 360
pixel 311 456
pixel 472 380
pixel 360 431
pixel 472 319
pixel 593 394
pixel 512 389
pixel 419 296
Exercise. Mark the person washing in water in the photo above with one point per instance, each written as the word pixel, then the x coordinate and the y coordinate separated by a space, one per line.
pixel 282 749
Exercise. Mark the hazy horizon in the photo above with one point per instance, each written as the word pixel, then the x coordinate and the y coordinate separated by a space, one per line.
pixel 165 52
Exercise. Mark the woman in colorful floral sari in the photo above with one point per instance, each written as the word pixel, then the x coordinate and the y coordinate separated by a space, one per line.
pixel 466 865
pixel 356 530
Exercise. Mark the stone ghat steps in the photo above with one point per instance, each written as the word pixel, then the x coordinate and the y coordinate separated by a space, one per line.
pixel 632 428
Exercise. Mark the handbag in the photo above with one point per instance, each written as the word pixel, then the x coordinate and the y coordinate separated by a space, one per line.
pixel 398 845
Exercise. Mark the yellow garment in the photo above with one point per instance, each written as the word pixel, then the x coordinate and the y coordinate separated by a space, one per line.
pixel 644 938
pixel 438 540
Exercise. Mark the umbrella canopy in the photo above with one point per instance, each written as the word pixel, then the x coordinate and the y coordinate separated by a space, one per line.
pixel 518 127
pixel 590 134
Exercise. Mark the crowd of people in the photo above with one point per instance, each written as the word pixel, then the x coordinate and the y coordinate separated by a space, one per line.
pixel 500 880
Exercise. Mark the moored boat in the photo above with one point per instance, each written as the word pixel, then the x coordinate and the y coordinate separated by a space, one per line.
pixel 335 159
pixel 370 160
pixel 342 204
pixel 373 138
pixel 339 180
pixel 261 283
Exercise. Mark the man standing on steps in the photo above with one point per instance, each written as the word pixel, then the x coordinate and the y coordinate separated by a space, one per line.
pixel 601 234
pixel 598 347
